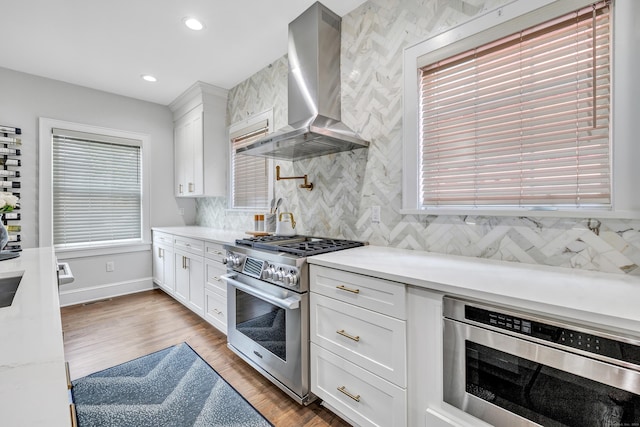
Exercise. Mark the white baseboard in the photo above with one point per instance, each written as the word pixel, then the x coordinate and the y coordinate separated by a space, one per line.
pixel 83 295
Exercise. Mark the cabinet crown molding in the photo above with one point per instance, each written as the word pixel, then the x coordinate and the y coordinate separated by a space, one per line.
pixel 195 95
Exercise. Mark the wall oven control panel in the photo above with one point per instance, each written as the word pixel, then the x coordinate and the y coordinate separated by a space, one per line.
pixel 279 274
pixel 560 335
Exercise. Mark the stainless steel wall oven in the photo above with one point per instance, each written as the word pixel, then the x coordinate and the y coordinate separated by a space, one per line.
pixel 268 306
pixel 513 368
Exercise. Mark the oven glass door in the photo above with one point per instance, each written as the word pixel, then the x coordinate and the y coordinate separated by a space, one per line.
pixel 262 322
pixel 266 327
pixel 503 381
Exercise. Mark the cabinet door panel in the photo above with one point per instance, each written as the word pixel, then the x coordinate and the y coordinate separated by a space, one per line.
pixel 356 392
pixel 158 266
pixel 196 284
pixel 169 278
pixel 375 294
pixel 216 310
pixel 181 277
pixel 195 186
pixel 371 340
pixel 214 282
pixel 180 156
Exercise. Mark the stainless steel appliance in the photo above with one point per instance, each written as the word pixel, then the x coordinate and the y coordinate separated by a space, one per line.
pixel 268 306
pixel 510 367
pixel 315 127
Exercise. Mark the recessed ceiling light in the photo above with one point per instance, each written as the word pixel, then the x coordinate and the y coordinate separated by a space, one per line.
pixel 149 78
pixel 193 24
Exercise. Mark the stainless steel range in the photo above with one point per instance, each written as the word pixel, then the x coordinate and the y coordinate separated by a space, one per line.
pixel 268 306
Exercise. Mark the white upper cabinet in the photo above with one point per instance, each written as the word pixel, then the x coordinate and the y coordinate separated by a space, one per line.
pixel 200 141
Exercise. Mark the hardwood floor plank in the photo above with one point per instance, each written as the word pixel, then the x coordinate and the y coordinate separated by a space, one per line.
pixel 106 333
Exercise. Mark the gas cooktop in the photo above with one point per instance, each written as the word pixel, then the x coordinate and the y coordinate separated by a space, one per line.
pixel 298 245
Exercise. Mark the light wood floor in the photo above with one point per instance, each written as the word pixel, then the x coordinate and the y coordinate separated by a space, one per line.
pixel 105 333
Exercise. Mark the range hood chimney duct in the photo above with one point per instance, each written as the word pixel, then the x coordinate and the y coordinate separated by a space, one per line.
pixel 314 126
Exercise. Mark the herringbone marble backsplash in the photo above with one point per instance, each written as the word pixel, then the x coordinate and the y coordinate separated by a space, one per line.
pixel 348 184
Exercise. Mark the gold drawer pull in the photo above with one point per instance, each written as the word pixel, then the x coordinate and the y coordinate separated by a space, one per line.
pixel 66 369
pixel 354 397
pixel 351 337
pixel 74 415
pixel 215 278
pixel 344 288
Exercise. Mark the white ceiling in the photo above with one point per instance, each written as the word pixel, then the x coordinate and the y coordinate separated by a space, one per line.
pixel 109 44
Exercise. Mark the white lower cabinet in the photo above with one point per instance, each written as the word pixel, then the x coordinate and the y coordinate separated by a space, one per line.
pixel 358 330
pixel 215 310
pixel 424 336
pixel 163 263
pixel 361 396
pixel 190 270
pixel 189 276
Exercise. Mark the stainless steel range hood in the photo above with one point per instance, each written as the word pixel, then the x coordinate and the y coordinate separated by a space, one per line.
pixel 314 126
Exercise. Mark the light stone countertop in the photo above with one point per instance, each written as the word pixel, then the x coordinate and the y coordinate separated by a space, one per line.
pixel 204 233
pixel 33 384
pixel 599 298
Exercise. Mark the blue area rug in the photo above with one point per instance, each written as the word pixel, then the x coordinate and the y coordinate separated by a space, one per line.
pixel 172 387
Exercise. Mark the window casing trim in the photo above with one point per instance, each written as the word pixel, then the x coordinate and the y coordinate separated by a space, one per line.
pixel 45 211
pixel 500 23
pixel 232 132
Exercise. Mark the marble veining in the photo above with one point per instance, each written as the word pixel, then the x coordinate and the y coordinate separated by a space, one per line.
pixel 348 184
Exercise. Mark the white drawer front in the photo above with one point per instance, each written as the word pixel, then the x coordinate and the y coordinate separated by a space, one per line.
pixel 215 310
pixel 193 246
pixel 356 393
pixel 162 238
pixel 379 295
pixel 214 281
pixel 214 251
pixel 369 339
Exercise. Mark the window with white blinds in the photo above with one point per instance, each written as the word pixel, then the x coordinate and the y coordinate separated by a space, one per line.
pixel 522 121
pixel 250 174
pixel 97 188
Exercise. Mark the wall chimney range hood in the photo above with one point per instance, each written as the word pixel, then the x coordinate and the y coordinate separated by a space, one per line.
pixel 314 126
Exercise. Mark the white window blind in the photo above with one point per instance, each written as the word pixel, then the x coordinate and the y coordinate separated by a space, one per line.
pixel 250 183
pixel 522 121
pixel 97 191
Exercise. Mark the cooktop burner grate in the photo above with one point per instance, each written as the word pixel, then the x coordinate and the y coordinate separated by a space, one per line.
pixel 317 247
pixel 298 245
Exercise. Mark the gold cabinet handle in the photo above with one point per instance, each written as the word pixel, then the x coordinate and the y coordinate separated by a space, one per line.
pixel 351 337
pixel 215 279
pixel 74 417
pixel 191 187
pixel 159 252
pixel 344 288
pixel 66 369
pixel 355 397
pixel 180 189
pixel 216 311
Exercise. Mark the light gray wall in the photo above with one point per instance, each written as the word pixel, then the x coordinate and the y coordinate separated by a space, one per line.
pixel 24 98
pixel 347 185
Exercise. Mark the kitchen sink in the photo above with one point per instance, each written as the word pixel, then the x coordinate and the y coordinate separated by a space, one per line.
pixel 8 287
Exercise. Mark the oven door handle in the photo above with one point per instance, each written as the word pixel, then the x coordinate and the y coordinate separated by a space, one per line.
pixel 289 303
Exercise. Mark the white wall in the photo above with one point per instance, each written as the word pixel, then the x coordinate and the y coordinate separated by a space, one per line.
pixel 24 98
